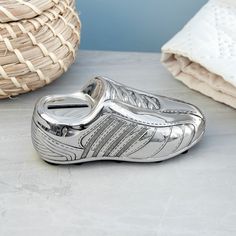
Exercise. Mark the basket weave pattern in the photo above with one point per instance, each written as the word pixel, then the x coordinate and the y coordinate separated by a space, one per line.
pixel 38 42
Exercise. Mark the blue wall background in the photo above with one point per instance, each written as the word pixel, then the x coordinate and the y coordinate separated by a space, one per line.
pixel 133 25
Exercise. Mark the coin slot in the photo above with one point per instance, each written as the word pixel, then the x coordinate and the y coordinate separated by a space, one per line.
pixel 67 106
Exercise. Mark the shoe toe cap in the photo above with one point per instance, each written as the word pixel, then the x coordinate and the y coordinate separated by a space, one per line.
pixel 168 104
pixel 189 116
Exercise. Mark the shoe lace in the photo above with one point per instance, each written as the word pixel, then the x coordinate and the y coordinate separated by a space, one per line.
pixel 134 98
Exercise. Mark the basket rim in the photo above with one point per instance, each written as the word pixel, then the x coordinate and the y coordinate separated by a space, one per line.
pixel 16 10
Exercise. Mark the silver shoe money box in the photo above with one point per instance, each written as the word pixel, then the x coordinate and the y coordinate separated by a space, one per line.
pixel 109 121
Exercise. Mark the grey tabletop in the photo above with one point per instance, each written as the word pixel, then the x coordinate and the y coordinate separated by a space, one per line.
pixel 193 194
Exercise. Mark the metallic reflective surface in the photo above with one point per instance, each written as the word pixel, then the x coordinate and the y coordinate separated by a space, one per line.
pixel 109 121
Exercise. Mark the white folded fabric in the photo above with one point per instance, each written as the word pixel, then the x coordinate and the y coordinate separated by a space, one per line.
pixel 203 54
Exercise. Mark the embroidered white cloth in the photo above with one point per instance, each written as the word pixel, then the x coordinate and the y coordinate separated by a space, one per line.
pixel 203 54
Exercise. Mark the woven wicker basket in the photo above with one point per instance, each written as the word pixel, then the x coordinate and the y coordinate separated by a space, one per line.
pixel 38 42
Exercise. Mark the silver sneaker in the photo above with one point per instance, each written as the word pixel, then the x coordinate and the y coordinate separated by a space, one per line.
pixel 109 121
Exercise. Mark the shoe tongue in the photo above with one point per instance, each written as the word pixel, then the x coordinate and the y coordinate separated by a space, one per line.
pixel 95 89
